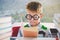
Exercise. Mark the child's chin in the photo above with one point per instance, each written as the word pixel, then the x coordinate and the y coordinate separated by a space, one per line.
pixel 33 25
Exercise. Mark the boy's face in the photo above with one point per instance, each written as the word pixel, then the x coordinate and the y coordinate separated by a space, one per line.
pixel 33 17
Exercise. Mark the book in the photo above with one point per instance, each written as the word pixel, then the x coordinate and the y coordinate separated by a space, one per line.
pixel 30 31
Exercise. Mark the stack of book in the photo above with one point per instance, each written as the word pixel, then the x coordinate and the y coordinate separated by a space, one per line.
pixel 5 27
pixel 57 20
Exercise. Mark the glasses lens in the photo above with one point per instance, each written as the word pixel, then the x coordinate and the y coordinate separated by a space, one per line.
pixel 28 17
pixel 36 17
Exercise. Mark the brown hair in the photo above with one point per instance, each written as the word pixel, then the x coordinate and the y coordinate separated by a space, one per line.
pixel 33 6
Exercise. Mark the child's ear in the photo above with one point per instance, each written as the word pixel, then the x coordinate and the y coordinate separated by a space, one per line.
pixel 41 15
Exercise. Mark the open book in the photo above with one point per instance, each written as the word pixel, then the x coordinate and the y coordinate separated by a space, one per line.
pixel 30 31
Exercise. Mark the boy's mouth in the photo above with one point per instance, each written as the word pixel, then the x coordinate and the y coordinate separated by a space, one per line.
pixel 32 23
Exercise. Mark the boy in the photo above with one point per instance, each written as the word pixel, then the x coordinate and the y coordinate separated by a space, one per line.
pixel 34 15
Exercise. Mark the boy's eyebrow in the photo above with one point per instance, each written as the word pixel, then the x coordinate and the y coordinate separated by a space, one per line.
pixel 31 15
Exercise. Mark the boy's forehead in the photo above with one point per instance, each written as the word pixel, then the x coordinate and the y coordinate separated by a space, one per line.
pixel 32 12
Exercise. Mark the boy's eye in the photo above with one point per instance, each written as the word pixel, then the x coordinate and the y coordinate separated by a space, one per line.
pixel 36 17
pixel 28 17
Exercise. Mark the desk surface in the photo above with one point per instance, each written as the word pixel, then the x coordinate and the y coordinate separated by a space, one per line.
pixel 27 38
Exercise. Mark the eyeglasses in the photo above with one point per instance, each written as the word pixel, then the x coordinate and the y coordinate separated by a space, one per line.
pixel 29 17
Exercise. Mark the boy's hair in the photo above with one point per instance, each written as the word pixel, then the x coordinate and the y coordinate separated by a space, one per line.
pixel 33 6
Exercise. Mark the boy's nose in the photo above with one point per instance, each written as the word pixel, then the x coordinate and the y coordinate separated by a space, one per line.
pixel 32 19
